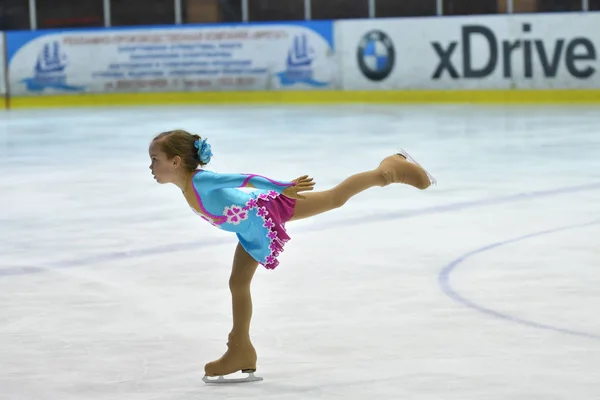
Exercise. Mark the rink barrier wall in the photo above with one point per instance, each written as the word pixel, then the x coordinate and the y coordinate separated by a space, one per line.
pixel 3 75
pixel 529 58
pixel 564 96
pixel 496 52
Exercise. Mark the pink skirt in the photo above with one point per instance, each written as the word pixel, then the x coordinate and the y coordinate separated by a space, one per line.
pixel 281 210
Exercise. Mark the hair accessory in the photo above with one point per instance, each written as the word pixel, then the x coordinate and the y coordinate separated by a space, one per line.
pixel 204 153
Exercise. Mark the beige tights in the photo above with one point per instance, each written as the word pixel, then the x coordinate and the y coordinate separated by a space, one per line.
pixel 393 169
pixel 240 354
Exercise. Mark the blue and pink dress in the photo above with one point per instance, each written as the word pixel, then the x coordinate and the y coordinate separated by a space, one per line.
pixel 257 218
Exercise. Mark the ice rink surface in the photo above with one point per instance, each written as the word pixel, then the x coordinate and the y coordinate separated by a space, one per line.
pixel 485 287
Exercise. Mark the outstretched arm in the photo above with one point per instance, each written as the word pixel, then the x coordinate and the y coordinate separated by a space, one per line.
pixel 213 180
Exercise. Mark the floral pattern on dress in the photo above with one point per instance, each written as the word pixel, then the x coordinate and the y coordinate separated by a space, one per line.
pixel 235 214
pixel 275 242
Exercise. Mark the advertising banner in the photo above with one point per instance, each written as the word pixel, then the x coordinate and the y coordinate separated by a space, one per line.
pixel 278 56
pixel 523 51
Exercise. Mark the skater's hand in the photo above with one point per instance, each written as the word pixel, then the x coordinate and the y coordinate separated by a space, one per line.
pixel 301 184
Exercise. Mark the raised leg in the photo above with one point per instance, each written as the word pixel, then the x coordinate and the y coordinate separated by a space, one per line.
pixel 393 169
pixel 320 202
pixel 240 354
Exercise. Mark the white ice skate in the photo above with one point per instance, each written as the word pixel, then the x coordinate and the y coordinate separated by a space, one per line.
pixel 404 154
pixel 222 379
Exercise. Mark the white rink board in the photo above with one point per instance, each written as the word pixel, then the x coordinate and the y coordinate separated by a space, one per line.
pixel 550 55
pixel 196 58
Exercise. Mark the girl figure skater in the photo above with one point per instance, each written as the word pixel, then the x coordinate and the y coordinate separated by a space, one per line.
pixel 258 219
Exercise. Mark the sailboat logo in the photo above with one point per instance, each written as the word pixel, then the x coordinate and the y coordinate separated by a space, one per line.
pixel 299 64
pixel 49 70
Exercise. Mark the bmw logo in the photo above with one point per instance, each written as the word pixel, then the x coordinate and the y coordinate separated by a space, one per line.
pixel 376 55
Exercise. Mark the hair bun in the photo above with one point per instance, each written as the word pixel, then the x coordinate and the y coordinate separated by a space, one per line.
pixel 204 150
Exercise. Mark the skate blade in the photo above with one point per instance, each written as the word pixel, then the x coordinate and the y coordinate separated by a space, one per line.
pixel 404 154
pixel 222 380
